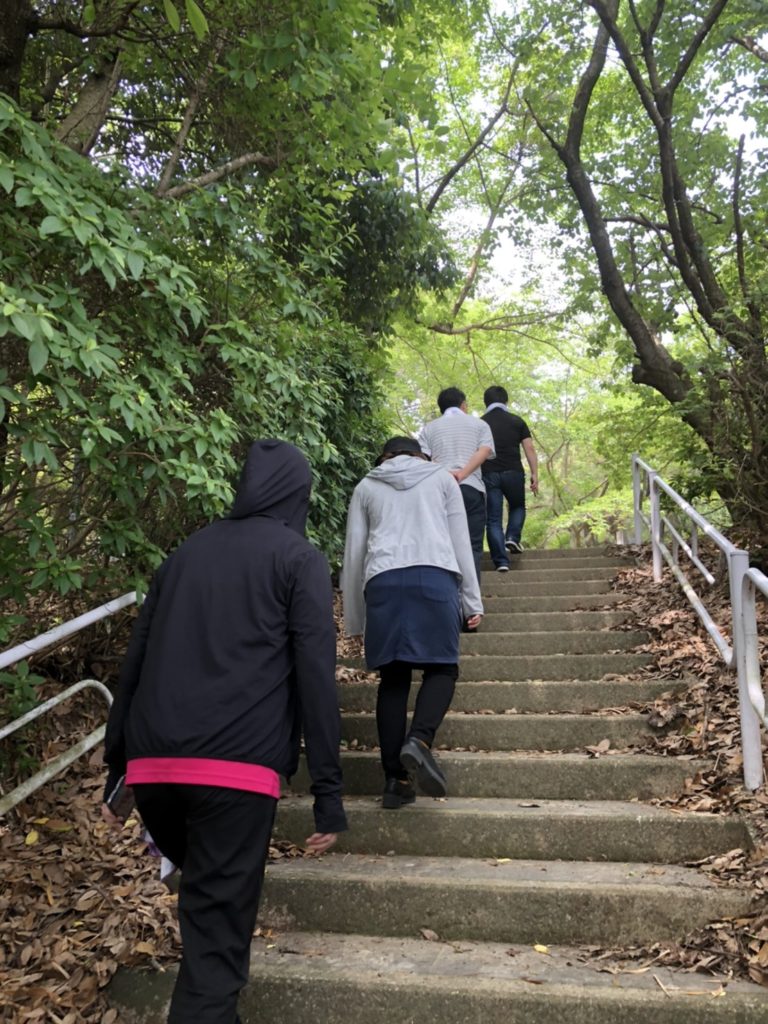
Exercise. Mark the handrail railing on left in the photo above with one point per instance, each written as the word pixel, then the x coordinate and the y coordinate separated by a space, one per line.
pixel 741 653
pixel 40 643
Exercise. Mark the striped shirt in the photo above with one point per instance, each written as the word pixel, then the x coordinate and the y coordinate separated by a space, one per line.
pixel 453 439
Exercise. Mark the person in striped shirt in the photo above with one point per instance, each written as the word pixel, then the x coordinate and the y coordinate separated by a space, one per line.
pixel 462 443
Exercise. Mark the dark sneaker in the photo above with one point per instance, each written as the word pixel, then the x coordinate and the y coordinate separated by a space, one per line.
pixel 514 545
pixel 417 758
pixel 502 568
pixel 397 793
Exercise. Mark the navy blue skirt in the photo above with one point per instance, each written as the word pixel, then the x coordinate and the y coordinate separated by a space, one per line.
pixel 413 614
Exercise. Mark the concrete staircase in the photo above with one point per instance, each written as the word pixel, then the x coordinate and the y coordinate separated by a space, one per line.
pixel 431 913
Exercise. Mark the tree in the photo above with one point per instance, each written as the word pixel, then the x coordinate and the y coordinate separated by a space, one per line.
pixel 627 140
pixel 153 316
pixel 672 204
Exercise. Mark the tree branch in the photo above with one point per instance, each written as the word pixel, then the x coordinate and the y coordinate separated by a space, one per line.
pixel 186 125
pixel 738 227
pixel 210 177
pixel 76 28
pixel 607 14
pixel 656 367
pixel 751 44
pixel 415 152
pixel 695 45
pixel 474 265
pixel 467 156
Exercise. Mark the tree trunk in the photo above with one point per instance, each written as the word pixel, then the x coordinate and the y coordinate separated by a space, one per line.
pixel 16 24
pixel 80 128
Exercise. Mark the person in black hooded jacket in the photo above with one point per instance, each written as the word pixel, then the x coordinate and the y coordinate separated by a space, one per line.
pixel 232 654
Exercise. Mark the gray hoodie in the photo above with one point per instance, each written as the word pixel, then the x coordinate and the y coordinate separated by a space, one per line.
pixel 406 512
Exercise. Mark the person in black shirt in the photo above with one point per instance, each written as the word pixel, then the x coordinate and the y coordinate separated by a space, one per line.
pixel 504 477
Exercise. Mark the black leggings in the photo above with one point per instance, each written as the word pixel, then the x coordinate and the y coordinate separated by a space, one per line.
pixel 432 702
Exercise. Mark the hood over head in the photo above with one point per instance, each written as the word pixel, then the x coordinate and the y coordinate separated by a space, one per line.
pixel 275 481
pixel 404 471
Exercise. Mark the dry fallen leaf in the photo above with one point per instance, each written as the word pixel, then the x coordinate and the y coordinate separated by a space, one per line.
pixel 601 748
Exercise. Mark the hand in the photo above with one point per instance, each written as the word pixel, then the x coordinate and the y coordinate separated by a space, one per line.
pixel 111 819
pixel 474 621
pixel 320 842
pixel 457 474
pixel 535 484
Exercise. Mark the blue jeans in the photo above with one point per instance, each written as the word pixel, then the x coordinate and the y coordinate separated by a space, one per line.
pixel 510 485
pixel 474 503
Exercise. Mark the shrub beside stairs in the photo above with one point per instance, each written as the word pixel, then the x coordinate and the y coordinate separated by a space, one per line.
pixel 473 909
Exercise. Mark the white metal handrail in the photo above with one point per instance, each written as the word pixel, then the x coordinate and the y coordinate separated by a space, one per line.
pixel 753 581
pixel 66 629
pixel 741 653
pixel 66 758
pixel 40 643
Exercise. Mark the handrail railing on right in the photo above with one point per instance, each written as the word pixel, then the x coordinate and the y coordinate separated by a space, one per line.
pixel 741 653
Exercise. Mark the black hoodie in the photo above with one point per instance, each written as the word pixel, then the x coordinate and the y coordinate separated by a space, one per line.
pixel 234 649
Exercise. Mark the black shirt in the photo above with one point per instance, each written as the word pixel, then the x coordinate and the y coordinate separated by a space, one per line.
pixel 509 431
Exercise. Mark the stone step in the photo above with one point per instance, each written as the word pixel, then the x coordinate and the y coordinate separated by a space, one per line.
pixel 489 642
pixel 471 899
pixel 526 830
pixel 528 561
pixel 596 551
pixel 319 976
pixel 515 732
pixel 537 575
pixel 557 621
pixel 550 666
pixel 525 604
pixel 530 776
pixel 513 667
pixel 574 695
pixel 506 584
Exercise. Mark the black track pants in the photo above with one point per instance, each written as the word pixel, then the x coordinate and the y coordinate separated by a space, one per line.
pixel 220 840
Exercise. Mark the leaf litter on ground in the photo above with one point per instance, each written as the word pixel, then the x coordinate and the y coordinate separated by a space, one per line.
pixel 700 721
pixel 79 900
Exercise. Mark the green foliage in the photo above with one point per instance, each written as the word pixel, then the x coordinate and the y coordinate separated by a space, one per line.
pixel 18 693
pixel 129 398
pixel 223 268
pixel 603 520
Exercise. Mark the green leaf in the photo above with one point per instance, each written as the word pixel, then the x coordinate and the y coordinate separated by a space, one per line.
pixel 25 324
pixel 24 196
pixel 196 19
pixel 38 355
pixel 172 15
pixel 6 178
pixel 51 225
pixel 135 264
pixel 89 13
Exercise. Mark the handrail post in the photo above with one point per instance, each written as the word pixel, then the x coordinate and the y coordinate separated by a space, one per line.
pixel 637 496
pixel 751 740
pixel 655 525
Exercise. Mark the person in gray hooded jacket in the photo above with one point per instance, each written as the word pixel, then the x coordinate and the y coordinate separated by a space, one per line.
pixel 408 581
